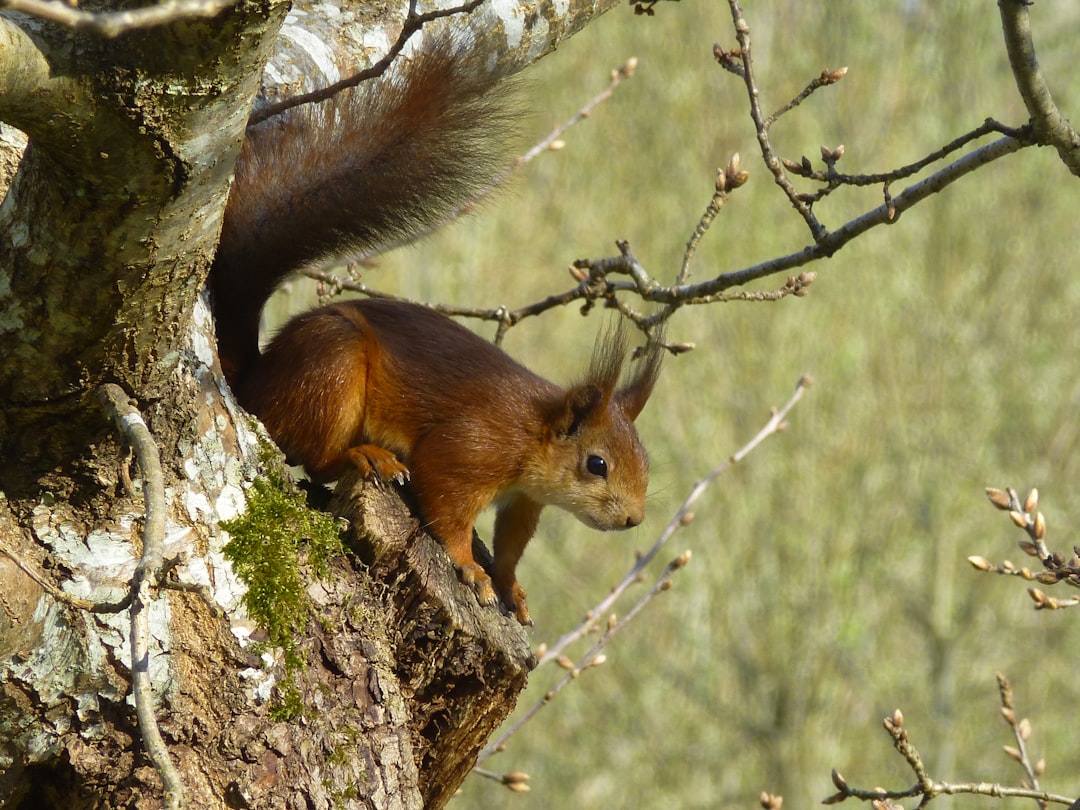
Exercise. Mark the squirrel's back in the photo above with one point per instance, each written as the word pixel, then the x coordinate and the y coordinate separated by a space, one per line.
pixel 392 373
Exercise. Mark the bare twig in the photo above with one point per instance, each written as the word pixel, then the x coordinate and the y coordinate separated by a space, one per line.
pixel 592 658
pixel 987 127
pixel 762 124
pixel 144 583
pixel 594 283
pixel 826 78
pixel 1056 568
pixel 114 23
pixel 925 786
pixel 60 595
pixel 727 180
pixel 413 23
pixel 1022 732
pixel 617 77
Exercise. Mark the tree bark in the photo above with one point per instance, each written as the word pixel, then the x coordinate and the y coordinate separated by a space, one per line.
pixel 109 227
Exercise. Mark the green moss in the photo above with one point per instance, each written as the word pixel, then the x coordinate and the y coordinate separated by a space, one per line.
pixel 266 546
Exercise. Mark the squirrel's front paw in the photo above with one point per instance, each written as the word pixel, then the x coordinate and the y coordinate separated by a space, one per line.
pixel 513 597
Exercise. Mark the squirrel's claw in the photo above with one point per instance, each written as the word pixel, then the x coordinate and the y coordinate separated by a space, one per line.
pixel 378 462
pixel 513 598
pixel 475 577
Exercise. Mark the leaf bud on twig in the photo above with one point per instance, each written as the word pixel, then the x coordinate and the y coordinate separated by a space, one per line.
pixel 1031 502
pixel 733 175
pixel 833 76
pixel 998 498
pixel 1023 730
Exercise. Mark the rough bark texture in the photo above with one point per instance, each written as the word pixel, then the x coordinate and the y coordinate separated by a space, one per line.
pixel 106 233
pixel 405 677
pixel 461 665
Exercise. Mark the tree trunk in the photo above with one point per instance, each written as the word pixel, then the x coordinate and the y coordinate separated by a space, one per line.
pixel 398 676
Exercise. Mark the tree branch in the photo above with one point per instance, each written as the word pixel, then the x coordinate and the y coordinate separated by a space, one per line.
pixel 145 582
pixel 111 24
pixel 927 787
pixel 1050 125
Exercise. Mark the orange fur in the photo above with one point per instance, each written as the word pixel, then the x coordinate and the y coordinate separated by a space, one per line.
pixel 395 389
pixel 388 385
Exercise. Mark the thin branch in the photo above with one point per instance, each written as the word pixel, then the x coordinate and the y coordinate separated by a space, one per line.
pixel 826 78
pixel 413 23
pixel 1056 567
pixel 727 180
pixel 1050 125
pixel 111 24
pixel 987 127
pixel 60 595
pixel 1021 729
pixel 884 214
pixel 592 658
pixel 618 76
pixel 148 574
pixel 762 123
pixel 927 787
pixel 594 283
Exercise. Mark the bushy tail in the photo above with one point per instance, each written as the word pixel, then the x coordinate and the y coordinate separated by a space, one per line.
pixel 375 165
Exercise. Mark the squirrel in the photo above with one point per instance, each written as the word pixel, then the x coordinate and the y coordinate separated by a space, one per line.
pixel 397 389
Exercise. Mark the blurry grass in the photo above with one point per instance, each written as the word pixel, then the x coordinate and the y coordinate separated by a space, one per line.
pixel 829 582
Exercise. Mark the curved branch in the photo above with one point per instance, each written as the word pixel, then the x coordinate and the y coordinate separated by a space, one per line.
pixel 1050 125
pixel 114 23
pixel 147 574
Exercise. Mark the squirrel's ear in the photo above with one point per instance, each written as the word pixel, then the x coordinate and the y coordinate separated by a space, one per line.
pixel 576 408
pixel 633 396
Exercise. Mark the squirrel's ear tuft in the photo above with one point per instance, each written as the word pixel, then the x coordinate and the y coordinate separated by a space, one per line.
pixel 633 396
pixel 607 360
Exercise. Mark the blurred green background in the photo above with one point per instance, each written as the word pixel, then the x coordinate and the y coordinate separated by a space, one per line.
pixel 828 584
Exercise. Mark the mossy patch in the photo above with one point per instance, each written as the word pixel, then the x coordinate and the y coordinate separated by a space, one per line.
pixel 268 544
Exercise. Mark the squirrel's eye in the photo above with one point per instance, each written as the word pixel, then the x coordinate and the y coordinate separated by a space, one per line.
pixel 596 466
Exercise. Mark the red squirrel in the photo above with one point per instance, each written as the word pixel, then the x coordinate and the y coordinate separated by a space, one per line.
pixel 397 389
